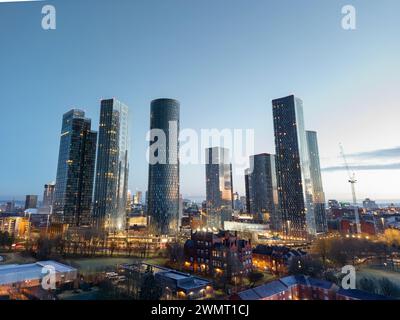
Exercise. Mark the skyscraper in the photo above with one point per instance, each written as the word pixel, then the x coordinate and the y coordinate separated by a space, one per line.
pixel 318 191
pixel 112 169
pixel 75 171
pixel 48 194
pixel 163 188
pixel 262 189
pixel 247 189
pixel 219 186
pixel 295 191
pixel 31 202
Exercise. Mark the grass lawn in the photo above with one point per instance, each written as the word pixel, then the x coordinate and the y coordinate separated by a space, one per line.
pixel 88 266
pixel 157 261
pixel 82 295
pixel 15 258
pixel 376 273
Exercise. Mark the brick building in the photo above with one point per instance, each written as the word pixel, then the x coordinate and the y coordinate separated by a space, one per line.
pixel 218 254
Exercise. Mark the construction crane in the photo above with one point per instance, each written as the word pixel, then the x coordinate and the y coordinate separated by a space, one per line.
pixel 352 180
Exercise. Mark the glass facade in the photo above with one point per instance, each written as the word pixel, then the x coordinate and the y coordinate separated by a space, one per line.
pixel 295 190
pixel 75 171
pixel 319 196
pixel 112 166
pixel 262 189
pixel 219 186
pixel 163 188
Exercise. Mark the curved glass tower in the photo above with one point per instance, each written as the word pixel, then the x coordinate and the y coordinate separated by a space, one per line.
pixel 163 189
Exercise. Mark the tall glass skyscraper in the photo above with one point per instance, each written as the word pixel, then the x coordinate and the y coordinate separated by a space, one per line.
pixel 262 191
pixel 295 190
pixel 219 186
pixel 75 172
pixel 163 188
pixel 319 196
pixel 112 170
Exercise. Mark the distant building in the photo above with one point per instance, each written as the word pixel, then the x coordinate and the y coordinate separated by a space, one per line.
pixel 111 188
pixel 370 204
pixel 237 203
pixel 219 186
pixel 31 202
pixel 262 190
pixel 138 197
pixel 295 190
pixel 48 195
pixel 333 204
pixel 316 179
pixel 163 191
pixel 218 254
pixel 75 172
pixel 15 225
pixel 245 227
pixel 10 207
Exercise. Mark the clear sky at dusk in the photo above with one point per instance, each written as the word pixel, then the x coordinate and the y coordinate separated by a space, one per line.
pixel 223 60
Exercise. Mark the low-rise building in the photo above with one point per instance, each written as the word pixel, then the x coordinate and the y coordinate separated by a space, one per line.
pixel 14 225
pixel 31 275
pixel 218 254
pixel 175 285
pixel 275 259
pixel 303 288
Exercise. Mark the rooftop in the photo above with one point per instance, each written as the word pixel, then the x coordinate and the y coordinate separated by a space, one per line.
pixel 14 273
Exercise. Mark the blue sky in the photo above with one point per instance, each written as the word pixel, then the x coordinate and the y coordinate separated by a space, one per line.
pixel 224 60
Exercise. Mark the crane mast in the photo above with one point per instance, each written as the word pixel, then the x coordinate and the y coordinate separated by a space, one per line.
pixel 352 180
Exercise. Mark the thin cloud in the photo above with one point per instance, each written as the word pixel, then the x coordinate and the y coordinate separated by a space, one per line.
pixel 377 154
pixel 366 167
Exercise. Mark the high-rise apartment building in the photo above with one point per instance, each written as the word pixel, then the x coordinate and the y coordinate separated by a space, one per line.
pixel 48 194
pixel 321 224
pixel 262 189
pixel 31 201
pixel 295 190
pixel 163 187
pixel 219 186
pixel 112 169
pixel 75 171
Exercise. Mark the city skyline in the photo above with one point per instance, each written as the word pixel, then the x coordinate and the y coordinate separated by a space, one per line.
pixel 329 104
pixel 157 152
